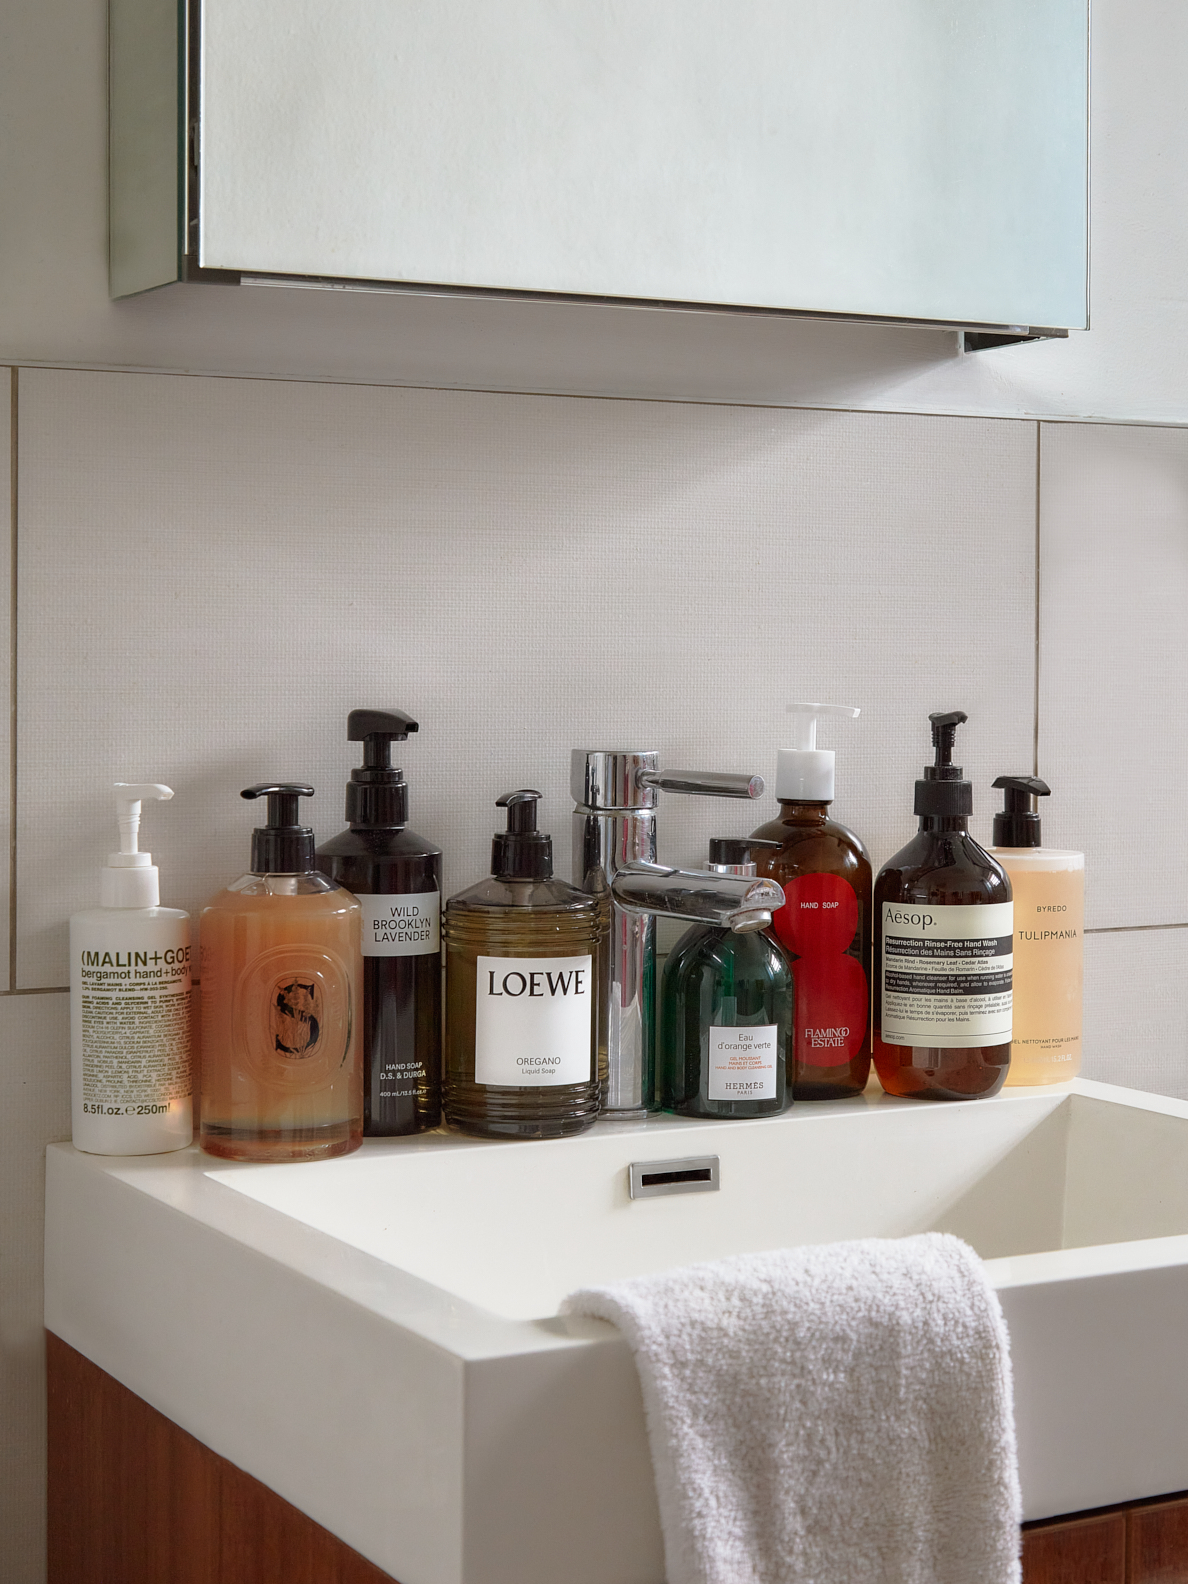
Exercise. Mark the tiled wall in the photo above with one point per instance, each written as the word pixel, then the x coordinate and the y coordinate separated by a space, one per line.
pixel 211 572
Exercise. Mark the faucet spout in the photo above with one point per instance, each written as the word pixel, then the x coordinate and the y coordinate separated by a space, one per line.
pixel 742 903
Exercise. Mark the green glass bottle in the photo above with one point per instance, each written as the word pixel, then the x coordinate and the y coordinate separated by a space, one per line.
pixel 726 1014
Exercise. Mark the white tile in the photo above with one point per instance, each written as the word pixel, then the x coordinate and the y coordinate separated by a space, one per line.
pixel 1136 1016
pixel 1114 663
pixel 213 572
pixel 35 1103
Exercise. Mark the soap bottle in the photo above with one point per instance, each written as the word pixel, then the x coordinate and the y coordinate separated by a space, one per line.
pixel 521 1056
pixel 726 1010
pixel 131 1091
pixel 943 921
pixel 824 925
pixel 1049 892
pixel 396 877
pixel 282 988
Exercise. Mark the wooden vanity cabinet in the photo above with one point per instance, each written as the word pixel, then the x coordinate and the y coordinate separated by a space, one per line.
pixel 133 1499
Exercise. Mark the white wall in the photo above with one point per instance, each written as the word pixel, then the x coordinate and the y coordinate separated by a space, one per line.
pixel 210 572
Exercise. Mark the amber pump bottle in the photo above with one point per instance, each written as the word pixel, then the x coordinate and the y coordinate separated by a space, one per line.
pixel 944 924
pixel 521 998
pixel 396 876
pixel 824 926
pixel 282 1078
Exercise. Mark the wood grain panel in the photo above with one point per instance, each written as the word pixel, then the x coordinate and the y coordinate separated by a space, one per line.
pixel 134 1499
pixel 1159 1544
pixel 1084 1551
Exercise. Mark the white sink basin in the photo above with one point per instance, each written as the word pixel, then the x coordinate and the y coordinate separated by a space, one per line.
pixel 377 1338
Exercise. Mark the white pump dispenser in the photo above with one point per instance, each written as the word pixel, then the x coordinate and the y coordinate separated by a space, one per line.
pixel 804 773
pixel 131 1081
pixel 130 879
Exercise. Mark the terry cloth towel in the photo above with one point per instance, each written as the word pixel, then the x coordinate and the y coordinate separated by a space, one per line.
pixel 840 1414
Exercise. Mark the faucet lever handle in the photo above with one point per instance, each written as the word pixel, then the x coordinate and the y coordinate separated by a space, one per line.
pixel 703 783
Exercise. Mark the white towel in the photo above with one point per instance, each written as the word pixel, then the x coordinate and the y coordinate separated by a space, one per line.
pixel 840 1414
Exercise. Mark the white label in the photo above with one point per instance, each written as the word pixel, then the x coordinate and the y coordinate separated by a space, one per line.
pixel 947 974
pixel 532 1021
pixel 404 925
pixel 742 1063
pixel 132 1026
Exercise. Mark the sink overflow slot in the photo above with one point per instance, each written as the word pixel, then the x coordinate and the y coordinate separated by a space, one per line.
pixel 694 1174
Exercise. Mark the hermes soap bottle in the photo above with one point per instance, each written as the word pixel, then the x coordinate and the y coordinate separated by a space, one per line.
pixel 726 1012
pixel 943 925
pixel 521 1001
pixel 396 876
pixel 282 984
pixel 824 926
pixel 130 1004
pixel 1049 891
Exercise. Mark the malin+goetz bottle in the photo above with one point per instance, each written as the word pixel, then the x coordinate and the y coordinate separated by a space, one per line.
pixel 521 996
pixel 396 875
pixel 944 924
pixel 726 1013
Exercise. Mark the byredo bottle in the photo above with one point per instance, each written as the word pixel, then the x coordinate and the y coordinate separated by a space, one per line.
pixel 282 985
pixel 824 925
pixel 130 1004
pixel 396 876
pixel 726 1012
pixel 521 998
pixel 943 927
pixel 1049 891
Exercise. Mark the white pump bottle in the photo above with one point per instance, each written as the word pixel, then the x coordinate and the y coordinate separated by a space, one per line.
pixel 131 1080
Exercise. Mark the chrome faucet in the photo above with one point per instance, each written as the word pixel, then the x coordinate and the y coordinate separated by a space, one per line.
pixel 614 857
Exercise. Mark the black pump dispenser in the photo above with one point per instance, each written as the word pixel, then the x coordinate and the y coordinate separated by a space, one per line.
pixel 282 846
pixel 734 852
pixel 1018 824
pixel 377 794
pixel 521 852
pixel 944 792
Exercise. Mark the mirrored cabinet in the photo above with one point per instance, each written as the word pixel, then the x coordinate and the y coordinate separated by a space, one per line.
pixel 923 161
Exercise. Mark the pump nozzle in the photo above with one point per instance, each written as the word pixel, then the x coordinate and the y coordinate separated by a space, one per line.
pixel 1018 824
pixel 944 792
pixel 804 772
pixel 282 846
pixel 944 736
pixel 521 852
pixel 129 796
pixel 129 878
pixel 376 794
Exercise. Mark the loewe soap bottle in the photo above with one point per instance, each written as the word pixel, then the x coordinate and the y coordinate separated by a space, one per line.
pixel 1049 892
pixel 521 1001
pixel 282 984
pixel 396 876
pixel 825 923
pixel 130 1004
pixel 726 1012
pixel 943 935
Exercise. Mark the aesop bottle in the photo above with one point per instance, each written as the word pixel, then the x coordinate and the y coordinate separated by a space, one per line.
pixel 521 1001
pixel 944 923
pixel 396 876
pixel 282 1078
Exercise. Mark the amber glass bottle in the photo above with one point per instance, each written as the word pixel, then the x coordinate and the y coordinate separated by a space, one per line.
pixel 521 1051
pixel 824 926
pixel 282 1076
pixel 943 927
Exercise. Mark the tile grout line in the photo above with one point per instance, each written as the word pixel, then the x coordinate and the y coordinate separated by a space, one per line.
pixel 1035 703
pixel 1128 929
pixel 14 501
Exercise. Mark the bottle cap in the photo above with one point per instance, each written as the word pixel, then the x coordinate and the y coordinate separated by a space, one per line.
pixel 282 846
pixel 804 772
pixel 521 852
pixel 1018 824
pixel 130 879
pixel 732 854
pixel 943 791
pixel 377 794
